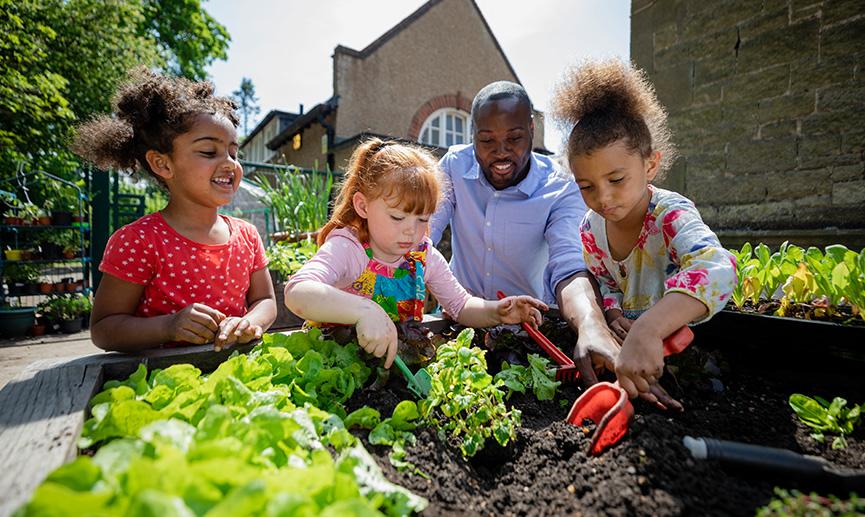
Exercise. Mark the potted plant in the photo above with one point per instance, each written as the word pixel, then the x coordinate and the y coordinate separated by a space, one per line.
pixel 29 213
pixel 12 254
pixel 11 217
pixel 16 321
pixel 20 278
pixel 68 311
pixel 43 217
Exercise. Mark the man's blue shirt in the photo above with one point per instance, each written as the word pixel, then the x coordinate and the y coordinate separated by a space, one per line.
pixel 520 240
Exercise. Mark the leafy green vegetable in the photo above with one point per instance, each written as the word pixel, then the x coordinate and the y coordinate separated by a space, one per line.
pixel 826 417
pixel 396 432
pixel 465 403
pixel 538 376
pixel 247 439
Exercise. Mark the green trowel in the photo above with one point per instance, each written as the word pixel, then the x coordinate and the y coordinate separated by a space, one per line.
pixel 418 383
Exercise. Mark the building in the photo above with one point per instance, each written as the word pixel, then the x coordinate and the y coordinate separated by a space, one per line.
pixel 766 104
pixel 414 83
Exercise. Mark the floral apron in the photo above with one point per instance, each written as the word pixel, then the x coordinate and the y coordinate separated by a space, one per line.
pixel 400 291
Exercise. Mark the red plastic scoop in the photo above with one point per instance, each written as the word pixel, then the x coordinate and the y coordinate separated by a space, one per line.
pixel 607 404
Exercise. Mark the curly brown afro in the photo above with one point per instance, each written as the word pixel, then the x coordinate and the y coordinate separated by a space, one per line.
pixel 151 110
pixel 601 102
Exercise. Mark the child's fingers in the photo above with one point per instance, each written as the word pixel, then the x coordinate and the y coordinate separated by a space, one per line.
pixel 242 327
pixel 536 318
pixel 628 386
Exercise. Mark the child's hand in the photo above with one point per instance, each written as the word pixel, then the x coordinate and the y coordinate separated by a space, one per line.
pixel 196 323
pixel 640 364
pixel 658 396
pixel 234 330
pixel 619 324
pixel 376 333
pixel 519 309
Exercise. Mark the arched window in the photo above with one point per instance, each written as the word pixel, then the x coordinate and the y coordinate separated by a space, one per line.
pixel 446 127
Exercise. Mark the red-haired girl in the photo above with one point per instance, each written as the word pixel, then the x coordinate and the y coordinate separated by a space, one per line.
pixel 376 260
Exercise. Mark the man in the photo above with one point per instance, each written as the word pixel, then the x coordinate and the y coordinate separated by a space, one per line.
pixel 514 222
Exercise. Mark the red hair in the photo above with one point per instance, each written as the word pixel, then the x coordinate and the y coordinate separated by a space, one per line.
pixel 406 176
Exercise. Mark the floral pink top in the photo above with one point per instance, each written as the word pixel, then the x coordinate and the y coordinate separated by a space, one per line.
pixel 676 252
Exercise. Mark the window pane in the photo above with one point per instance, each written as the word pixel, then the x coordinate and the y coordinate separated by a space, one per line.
pixel 449 139
pixel 459 125
pixel 424 137
pixel 434 134
pixel 459 138
pixel 435 123
pixel 450 122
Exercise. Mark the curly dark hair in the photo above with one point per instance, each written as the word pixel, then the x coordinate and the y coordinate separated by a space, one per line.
pixel 151 110
pixel 600 102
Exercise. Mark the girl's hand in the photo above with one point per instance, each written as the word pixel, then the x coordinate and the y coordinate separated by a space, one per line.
pixel 234 330
pixel 519 309
pixel 597 348
pixel 376 333
pixel 619 324
pixel 196 323
pixel 640 364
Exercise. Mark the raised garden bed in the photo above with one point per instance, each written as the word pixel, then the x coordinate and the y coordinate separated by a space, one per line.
pixel 546 471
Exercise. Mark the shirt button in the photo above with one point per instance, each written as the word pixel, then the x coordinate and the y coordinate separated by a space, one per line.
pixel 489 249
pixel 488 273
pixel 496 194
pixel 488 223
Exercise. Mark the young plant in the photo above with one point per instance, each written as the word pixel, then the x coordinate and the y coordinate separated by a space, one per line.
pixel 299 199
pixel 465 403
pixel 826 417
pixel 286 258
pixel 538 377
pixel 395 432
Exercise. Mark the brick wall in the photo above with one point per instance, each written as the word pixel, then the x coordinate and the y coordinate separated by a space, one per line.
pixel 767 105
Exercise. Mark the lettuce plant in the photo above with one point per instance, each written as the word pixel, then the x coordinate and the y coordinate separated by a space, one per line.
pixel 538 377
pixel 465 403
pixel 826 417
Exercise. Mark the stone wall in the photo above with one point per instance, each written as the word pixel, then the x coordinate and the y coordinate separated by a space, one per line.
pixel 767 105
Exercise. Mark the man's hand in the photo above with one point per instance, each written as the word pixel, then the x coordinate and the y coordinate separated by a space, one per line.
pixel 519 309
pixel 196 323
pixel 376 333
pixel 234 330
pixel 596 349
pixel 619 324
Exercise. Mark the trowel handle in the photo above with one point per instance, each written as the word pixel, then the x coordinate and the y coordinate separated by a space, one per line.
pixel 678 341
pixel 409 376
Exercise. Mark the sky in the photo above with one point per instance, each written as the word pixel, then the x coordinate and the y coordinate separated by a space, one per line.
pixel 272 39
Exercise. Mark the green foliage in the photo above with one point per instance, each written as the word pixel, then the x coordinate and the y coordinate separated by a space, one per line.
pixel 23 273
pixel 826 417
pixel 66 307
pixel 247 439
pixel 286 258
pixel 465 403
pixel 796 504
pixel 396 432
pixel 299 200
pixel 62 60
pixel 247 102
pixel 155 197
pixel 538 376
pixel 828 279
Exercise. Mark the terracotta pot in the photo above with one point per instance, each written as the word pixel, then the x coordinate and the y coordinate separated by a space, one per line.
pixel 46 288
pixel 59 287
pixel 12 221
pixel 45 220
pixel 69 254
pixel 27 255
pixel 38 330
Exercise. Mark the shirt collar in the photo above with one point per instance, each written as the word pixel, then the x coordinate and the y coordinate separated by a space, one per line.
pixel 529 184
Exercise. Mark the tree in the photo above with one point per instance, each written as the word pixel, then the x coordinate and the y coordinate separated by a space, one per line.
pixel 247 102
pixel 62 60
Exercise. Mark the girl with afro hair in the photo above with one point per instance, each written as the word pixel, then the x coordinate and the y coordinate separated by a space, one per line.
pixel 658 265
pixel 185 274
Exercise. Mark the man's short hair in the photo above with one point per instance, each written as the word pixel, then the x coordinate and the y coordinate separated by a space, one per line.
pixel 497 91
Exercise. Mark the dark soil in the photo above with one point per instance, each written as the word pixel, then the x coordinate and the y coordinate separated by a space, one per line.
pixel 547 470
pixel 842 314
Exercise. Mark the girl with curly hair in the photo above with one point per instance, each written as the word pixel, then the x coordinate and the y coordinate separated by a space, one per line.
pixel 658 265
pixel 185 274
pixel 376 260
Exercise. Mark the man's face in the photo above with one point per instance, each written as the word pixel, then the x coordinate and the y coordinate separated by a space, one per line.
pixel 503 131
